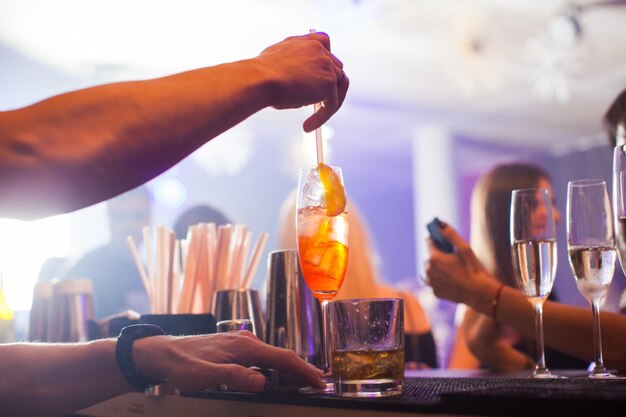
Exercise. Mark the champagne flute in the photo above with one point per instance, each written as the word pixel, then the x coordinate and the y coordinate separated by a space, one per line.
pixel 591 247
pixel 322 247
pixel 619 206
pixel 533 242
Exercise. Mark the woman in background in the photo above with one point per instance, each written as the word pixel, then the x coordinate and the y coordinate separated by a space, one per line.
pixel 481 342
pixel 362 281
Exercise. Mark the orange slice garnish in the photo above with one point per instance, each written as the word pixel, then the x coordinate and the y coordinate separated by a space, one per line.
pixel 334 193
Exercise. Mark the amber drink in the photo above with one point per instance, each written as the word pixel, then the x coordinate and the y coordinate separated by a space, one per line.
pixel 368 347
pixel 323 250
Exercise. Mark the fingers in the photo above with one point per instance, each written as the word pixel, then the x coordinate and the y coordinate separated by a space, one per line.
pixel 469 260
pixel 287 361
pixel 321 37
pixel 308 73
pixel 337 95
pixel 206 361
pixel 253 352
pixel 238 377
pixel 454 237
pixel 205 375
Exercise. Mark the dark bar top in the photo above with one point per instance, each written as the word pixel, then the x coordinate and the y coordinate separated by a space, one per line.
pixel 492 395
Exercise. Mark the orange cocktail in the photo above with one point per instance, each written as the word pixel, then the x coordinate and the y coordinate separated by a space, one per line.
pixel 322 229
pixel 323 250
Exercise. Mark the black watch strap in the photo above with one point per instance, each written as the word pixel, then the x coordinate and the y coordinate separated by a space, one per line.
pixel 124 354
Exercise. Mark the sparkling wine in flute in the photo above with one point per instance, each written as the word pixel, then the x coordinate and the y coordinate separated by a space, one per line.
pixel 593 268
pixel 534 262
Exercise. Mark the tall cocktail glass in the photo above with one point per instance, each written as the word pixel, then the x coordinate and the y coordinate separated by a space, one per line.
pixel 322 247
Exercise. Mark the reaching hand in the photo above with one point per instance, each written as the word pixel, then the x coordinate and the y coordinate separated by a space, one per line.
pixel 196 363
pixel 457 276
pixel 306 72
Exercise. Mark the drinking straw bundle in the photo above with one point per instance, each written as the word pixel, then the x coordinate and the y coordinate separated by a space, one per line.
pixel 183 275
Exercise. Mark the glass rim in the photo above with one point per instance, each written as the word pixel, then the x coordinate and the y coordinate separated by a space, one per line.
pixel 529 190
pixel 586 182
pixel 333 167
pixel 367 300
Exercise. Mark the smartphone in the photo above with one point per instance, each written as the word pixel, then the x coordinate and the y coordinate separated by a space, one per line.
pixel 435 234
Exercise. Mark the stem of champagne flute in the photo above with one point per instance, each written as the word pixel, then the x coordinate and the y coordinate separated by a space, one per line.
pixel 326 330
pixel 597 337
pixel 541 357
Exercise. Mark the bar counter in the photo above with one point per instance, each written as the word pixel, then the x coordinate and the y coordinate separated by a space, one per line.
pixel 427 393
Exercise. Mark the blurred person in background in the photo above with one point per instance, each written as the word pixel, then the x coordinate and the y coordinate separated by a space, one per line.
pixel 362 280
pixel 460 277
pixel 202 213
pixel 615 120
pixel 490 344
pixel 117 285
pixel 86 146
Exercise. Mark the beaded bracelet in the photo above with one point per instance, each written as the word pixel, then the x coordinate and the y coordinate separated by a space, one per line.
pixel 496 301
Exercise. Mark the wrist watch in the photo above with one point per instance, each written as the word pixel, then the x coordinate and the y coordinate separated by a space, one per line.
pixel 124 354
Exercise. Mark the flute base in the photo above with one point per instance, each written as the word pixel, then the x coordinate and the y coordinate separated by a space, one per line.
pixel 545 374
pixel 600 372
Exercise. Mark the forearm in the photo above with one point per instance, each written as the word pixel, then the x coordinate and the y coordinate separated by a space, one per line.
pixel 83 140
pixel 487 341
pixel 48 380
pixel 566 328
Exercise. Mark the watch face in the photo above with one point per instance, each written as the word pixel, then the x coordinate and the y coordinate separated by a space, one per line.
pixel 142 330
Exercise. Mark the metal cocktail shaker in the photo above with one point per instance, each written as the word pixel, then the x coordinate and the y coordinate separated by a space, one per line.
pixel 72 311
pixel 243 303
pixel 40 313
pixel 294 318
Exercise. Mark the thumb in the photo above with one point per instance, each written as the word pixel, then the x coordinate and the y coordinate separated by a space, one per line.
pixel 454 237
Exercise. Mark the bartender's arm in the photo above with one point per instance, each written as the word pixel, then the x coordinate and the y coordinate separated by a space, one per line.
pixel 55 379
pixel 460 277
pixel 83 147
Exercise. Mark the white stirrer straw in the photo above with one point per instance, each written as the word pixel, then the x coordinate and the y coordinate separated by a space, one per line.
pixel 318 131
pixel 177 276
pixel 236 245
pixel 142 271
pixel 241 263
pixel 200 302
pixel 186 298
pixel 160 270
pixel 171 246
pixel 223 256
pixel 256 257
pixel 147 241
pixel 211 249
